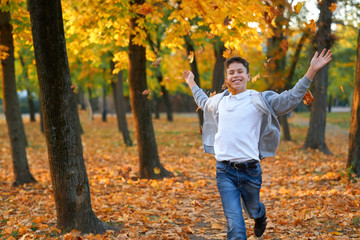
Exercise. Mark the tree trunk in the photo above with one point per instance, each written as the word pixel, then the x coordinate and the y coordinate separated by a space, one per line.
pixel 82 99
pixel 165 95
pixel 31 104
pixel 156 106
pixel 315 137
pixel 104 110
pixel 218 77
pixel 150 166
pixel 67 168
pixel 41 120
pixel 29 94
pixel 14 122
pixel 277 65
pixel 120 108
pixel 195 71
pixel 354 135
pixel 90 104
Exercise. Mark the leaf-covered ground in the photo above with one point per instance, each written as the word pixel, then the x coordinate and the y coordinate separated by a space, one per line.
pixel 307 195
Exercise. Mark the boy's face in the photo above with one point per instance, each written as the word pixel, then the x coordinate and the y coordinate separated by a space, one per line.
pixel 236 78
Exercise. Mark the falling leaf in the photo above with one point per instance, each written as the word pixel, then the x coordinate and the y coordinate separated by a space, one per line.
pixel 311 25
pixel 227 21
pixel 73 87
pixel 212 94
pixel 157 170
pixel 196 204
pixel 201 50
pixel 284 45
pixel 145 9
pixel 266 64
pixel 333 7
pixel 255 78
pixel 341 87
pixel 198 108
pixel 146 92
pixel 210 35
pixel 227 53
pixel 308 98
pixel 157 62
pixel 298 7
pixel 191 57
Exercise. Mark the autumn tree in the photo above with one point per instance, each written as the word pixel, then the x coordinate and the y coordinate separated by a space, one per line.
pixel 354 136
pixel 315 137
pixel 68 172
pixel 13 117
pixel 150 166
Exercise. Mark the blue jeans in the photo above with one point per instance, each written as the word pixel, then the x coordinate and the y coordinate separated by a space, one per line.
pixel 236 186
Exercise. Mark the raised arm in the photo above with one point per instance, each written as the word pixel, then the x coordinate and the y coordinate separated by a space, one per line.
pixel 189 78
pixel 317 62
pixel 200 97
pixel 287 100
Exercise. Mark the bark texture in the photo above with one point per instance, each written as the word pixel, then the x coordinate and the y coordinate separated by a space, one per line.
pixel 354 136
pixel 68 172
pixel 150 166
pixel 11 104
pixel 315 137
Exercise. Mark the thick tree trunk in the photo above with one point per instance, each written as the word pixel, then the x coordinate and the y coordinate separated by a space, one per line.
pixel 14 122
pixel 67 168
pixel 315 137
pixel 195 71
pixel 120 108
pixel 150 166
pixel 41 120
pixel 354 136
pixel 218 77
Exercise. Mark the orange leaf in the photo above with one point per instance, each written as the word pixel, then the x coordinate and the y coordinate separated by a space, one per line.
pixel 298 7
pixel 145 9
pixel 284 45
pixel 311 25
pixel 210 35
pixel 255 78
pixel 146 92
pixel 157 62
pixel 341 87
pixel 308 98
pixel 227 53
pixel 333 7
pixel 191 56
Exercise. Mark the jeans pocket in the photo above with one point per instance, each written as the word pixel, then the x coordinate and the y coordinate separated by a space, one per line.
pixel 254 171
pixel 221 168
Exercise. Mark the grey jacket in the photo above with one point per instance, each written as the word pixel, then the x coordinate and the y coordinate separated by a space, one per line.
pixel 270 103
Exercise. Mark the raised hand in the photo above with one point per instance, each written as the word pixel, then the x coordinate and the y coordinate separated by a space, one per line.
pixel 320 60
pixel 317 62
pixel 189 78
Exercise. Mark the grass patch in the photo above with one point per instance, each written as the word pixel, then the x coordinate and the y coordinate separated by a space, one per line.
pixel 341 119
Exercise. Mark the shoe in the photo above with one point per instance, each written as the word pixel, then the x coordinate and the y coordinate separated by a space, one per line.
pixel 260 226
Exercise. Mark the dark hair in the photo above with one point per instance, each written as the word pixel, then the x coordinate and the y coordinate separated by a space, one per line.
pixel 237 60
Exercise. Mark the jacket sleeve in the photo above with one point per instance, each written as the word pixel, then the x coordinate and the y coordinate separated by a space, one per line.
pixel 287 100
pixel 200 97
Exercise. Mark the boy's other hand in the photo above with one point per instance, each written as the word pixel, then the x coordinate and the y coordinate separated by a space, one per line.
pixel 189 78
